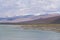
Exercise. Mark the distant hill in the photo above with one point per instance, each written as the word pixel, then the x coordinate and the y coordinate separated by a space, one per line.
pixel 15 17
pixel 57 20
pixel 51 20
pixel 41 19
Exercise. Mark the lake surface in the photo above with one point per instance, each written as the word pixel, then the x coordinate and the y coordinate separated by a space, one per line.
pixel 15 32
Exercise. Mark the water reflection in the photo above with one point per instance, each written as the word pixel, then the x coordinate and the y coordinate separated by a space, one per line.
pixel 15 32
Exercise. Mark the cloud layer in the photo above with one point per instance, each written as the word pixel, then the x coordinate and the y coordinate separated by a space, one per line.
pixel 9 8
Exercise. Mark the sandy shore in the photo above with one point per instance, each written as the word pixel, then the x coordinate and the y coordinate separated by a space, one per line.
pixel 48 27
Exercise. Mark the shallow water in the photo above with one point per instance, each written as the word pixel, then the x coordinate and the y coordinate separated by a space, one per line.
pixel 15 32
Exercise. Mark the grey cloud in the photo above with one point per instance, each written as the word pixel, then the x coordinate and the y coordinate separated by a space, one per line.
pixel 21 7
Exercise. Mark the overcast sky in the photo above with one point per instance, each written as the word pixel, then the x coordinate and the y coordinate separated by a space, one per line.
pixel 24 7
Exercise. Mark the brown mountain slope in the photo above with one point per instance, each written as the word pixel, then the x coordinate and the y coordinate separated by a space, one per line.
pixel 52 20
pixel 41 19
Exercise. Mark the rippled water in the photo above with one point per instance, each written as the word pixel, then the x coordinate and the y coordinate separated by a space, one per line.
pixel 15 32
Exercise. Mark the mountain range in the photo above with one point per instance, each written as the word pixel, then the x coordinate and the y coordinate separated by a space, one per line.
pixel 31 19
pixel 15 17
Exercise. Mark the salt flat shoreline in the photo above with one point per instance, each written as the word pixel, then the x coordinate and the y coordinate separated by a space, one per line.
pixel 48 27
